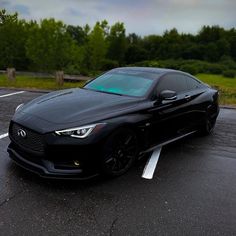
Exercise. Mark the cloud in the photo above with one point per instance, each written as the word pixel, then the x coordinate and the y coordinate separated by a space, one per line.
pixel 21 9
pixel 142 17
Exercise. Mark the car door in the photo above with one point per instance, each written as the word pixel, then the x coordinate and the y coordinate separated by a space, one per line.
pixel 196 107
pixel 169 116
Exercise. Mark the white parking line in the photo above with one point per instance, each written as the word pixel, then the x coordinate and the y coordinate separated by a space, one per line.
pixel 3 135
pixel 151 164
pixel 10 94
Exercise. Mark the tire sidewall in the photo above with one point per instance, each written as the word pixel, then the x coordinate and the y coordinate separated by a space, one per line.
pixel 109 144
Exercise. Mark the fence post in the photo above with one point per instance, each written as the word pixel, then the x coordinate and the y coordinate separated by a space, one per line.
pixel 11 74
pixel 60 77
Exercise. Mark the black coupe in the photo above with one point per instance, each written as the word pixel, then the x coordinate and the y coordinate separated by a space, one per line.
pixel 110 122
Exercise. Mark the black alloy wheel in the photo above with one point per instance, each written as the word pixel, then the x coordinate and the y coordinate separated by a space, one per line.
pixel 209 126
pixel 120 152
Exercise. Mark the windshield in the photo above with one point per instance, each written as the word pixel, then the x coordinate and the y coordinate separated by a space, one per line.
pixel 121 83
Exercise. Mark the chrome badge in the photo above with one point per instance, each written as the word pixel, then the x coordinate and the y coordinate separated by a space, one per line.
pixel 21 133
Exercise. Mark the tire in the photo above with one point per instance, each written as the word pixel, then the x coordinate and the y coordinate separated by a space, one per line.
pixel 208 126
pixel 119 153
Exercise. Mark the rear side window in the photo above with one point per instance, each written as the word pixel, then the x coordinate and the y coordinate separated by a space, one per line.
pixel 174 82
pixel 192 83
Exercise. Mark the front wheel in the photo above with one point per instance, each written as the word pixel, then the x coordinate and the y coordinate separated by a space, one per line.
pixel 208 126
pixel 119 152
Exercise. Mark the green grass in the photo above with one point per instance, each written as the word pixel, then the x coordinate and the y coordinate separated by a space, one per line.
pixel 226 86
pixel 27 82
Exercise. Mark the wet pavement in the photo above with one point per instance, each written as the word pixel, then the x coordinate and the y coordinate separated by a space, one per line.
pixel 193 191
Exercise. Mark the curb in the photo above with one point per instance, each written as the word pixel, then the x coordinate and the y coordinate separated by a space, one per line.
pixel 227 107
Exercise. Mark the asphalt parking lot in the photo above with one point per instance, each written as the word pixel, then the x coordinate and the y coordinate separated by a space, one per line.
pixel 193 191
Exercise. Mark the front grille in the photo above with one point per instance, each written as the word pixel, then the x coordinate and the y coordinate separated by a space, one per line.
pixel 32 141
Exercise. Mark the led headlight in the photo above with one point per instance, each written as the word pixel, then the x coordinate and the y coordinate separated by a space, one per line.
pixel 79 132
pixel 19 106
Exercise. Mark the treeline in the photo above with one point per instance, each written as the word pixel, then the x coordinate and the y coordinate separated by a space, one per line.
pixel 51 45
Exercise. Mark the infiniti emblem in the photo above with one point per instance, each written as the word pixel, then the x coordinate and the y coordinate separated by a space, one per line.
pixel 21 133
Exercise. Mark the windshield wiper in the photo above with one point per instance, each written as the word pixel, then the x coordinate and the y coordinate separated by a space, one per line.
pixel 104 91
pixel 110 92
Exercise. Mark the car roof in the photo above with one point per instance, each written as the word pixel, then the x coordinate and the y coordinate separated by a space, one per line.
pixel 152 70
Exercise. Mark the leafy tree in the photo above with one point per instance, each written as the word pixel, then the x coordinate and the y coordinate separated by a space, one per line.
pixel 117 43
pixel 210 34
pixel 7 18
pixel 50 47
pixel 96 48
pixel 135 53
pixel 77 33
pixel 153 45
pixel 13 36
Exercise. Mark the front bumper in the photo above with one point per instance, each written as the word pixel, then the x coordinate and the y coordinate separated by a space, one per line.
pixel 50 168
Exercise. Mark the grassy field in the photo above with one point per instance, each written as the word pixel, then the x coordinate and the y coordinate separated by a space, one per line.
pixel 26 82
pixel 226 86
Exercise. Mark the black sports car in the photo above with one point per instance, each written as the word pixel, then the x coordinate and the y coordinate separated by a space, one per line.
pixel 111 121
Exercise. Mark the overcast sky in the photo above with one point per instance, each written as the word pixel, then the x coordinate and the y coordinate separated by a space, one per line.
pixel 140 16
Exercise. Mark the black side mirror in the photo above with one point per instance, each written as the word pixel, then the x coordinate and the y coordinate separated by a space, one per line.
pixel 168 95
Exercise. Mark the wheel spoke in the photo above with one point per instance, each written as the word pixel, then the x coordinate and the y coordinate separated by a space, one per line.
pixel 129 148
pixel 122 152
pixel 128 139
pixel 109 160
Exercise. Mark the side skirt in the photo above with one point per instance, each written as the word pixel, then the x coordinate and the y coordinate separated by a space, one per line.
pixel 167 142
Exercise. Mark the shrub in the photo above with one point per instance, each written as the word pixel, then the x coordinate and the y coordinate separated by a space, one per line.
pixel 190 66
pixel 192 69
pixel 228 62
pixel 229 73
pixel 215 68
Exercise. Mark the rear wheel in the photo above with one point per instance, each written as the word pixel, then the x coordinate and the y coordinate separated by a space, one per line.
pixel 120 152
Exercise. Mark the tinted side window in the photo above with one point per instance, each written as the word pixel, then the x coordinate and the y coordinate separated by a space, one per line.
pixel 175 82
pixel 192 83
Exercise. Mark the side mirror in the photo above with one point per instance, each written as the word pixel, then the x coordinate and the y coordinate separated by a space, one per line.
pixel 168 95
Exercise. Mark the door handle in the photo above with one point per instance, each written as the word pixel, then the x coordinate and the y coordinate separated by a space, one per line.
pixel 187 97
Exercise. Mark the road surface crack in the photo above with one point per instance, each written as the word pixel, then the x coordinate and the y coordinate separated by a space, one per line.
pixel 113 224
pixel 10 198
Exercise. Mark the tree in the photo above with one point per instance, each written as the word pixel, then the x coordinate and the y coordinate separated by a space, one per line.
pixel 96 48
pixel 13 35
pixel 135 53
pixel 50 47
pixel 77 33
pixel 117 43
pixel 152 44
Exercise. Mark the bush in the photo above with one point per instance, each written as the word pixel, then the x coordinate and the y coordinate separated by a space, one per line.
pixel 228 62
pixel 191 69
pixel 229 73
pixel 190 66
pixel 147 64
pixel 215 69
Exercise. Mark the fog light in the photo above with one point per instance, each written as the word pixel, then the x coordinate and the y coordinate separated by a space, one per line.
pixel 76 163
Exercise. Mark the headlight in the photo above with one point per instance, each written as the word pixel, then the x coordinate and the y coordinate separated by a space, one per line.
pixel 19 106
pixel 79 132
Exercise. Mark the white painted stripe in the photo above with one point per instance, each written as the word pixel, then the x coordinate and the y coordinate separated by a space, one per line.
pixel 3 135
pixel 151 164
pixel 10 94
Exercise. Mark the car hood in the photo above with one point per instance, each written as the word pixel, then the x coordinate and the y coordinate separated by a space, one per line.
pixel 79 106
